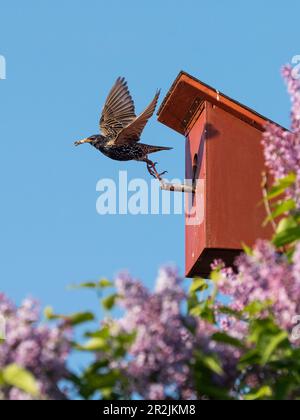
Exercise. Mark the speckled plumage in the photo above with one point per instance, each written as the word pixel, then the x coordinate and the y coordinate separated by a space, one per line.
pixel 127 151
pixel 121 129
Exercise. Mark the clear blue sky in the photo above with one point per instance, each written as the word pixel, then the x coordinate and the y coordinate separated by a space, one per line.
pixel 62 58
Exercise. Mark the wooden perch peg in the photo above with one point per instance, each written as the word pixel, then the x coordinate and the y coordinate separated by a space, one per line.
pixel 184 188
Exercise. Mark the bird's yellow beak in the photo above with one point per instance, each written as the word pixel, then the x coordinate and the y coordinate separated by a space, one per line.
pixel 87 140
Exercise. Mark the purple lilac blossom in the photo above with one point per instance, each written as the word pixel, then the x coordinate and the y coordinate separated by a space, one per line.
pixel 158 366
pixel 282 147
pixel 41 350
pixel 265 276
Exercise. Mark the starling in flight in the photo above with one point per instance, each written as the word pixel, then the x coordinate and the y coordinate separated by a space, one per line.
pixel 121 129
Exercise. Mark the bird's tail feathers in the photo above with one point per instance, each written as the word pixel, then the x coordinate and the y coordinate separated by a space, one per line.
pixel 153 149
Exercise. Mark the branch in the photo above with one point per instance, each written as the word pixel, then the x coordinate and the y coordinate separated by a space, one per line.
pixel 177 187
pixel 266 201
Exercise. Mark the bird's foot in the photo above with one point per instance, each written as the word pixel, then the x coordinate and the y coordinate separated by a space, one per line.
pixel 162 173
pixel 153 171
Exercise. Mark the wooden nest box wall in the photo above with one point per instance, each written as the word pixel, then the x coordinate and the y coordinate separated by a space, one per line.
pixel 224 156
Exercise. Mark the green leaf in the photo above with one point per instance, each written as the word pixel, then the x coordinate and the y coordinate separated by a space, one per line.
pixel 204 311
pixel 104 333
pixel 126 338
pixel 262 393
pixel 95 344
pixel 80 318
pixel 105 381
pixel 196 310
pixel 1 379
pixel 256 307
pixel 282 208
pixel 229 311
pixel 87 285
pixel 227 339
pixel 281 185
pixel 286 223
pixel 48 313
pixel 249 359
pixel 288 231
pixel 192 301
pixel 273 344
pixel 261 330
pixel 287 237
pixel 215 276
pixel 105 283
pixel 101 284
pixel 14 375
pixel 212 364
pixel 247 249
pixel 266 337
pixel 198 285
pixel 73 319
pixel 290 255
pixel 109 301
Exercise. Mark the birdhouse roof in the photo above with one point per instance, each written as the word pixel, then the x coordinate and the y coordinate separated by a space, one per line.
pixel 185 98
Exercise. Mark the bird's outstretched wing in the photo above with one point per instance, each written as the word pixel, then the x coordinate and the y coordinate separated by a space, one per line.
pixel 133 131
pixel 118 110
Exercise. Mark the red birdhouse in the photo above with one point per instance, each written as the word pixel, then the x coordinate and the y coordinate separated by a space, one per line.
pixel 224 158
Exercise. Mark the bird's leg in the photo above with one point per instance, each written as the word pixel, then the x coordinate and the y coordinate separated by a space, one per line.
pixel 150 170
pixel 151 166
